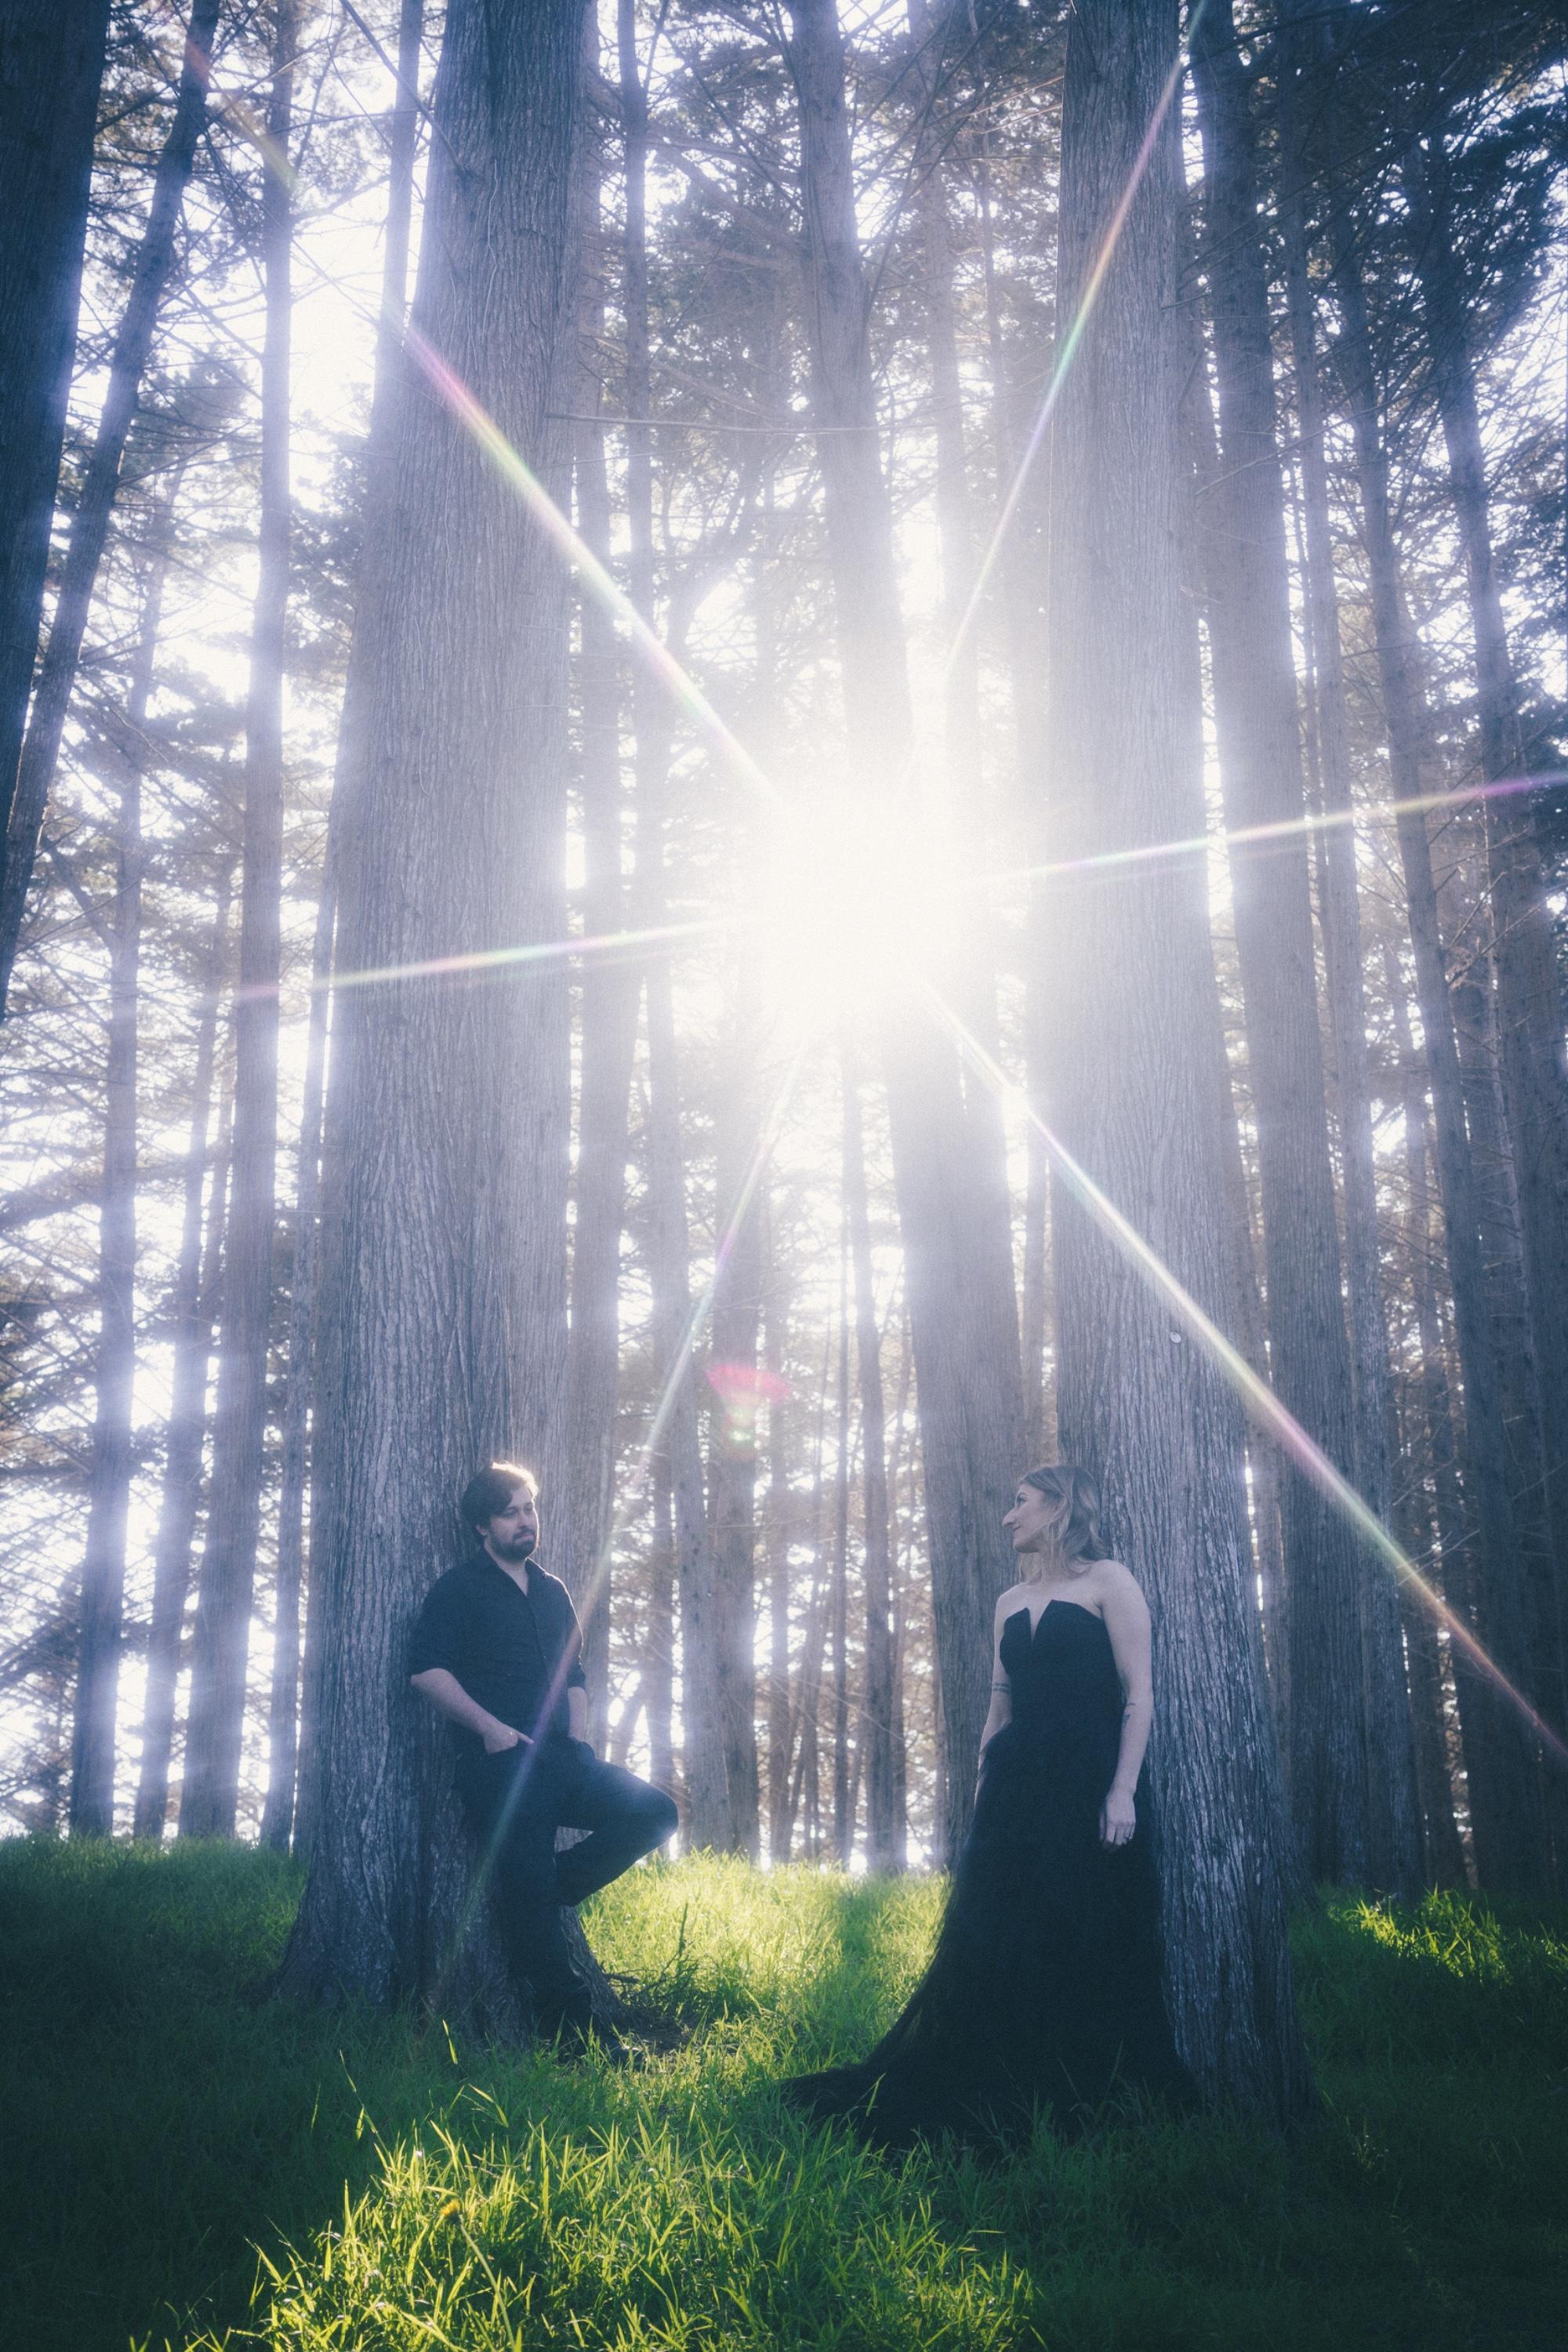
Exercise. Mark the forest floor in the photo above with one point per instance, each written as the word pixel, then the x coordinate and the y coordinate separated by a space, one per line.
pixel 184 2163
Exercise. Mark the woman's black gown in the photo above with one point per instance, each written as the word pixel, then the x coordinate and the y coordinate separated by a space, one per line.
pixel 1043 1990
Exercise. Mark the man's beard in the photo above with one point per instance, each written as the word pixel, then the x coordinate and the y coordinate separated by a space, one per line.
pixel 517 1547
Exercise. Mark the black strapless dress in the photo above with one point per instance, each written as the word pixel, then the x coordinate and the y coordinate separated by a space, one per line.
pixel 1043 1990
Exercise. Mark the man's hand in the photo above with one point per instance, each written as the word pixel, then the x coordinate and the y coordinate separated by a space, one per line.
pixel 501 1737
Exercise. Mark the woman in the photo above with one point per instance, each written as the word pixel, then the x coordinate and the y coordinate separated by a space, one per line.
pixel 1043 1990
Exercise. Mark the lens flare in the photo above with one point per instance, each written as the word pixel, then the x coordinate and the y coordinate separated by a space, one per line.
pixel 1068 353
pixel 1257 1397
pixel 575 549
pixel 742 1389
pixel 1282 828
pixel 592 1593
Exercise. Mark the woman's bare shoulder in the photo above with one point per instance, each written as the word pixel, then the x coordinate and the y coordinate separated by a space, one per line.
pixel 1111 1576
pixel 1014 1598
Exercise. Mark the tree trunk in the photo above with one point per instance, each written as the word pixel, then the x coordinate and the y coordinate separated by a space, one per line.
pixel 608 1016
pixel 1021 600
pixel 51 63
pixel 108 1483
pixel 660 1679
pixel 283 1711
pixel 968 803
pixel 1136 1047
pixel 210 1797
pixel 1444 1855
pixel 90 524
pixel 403 151
pixel 445 1193
pixel 838 1587
pixel 1528 987
pixel 876 1743
pixel 960 1282
pixel 1262 1455
pixel 780 1530
pixel 1256 722
pixel 191 1328
pixel 1393 1823
pixel 1501 1764
pixel 732 1455
pixel 669 1255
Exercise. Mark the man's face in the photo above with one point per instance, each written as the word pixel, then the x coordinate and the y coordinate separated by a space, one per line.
pixel 511 1535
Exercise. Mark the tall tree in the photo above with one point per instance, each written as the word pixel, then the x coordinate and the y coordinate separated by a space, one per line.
pixel 95 503
pixel 732 1457
pixel 51 62
pixel 1135 1052
pixel 403 149
pixel 1257 729
pixel 211 1792
pixel 444 1204
pixel 962 1303
pixel 1533 1068
pixel 191 1318
pixel 108 1487
pixel 608 1020
pixel 670 1269
pixel 1504 1790
pixel 1393 1828
pixel 876 1740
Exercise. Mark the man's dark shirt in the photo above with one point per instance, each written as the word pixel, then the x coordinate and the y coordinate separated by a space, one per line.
pixel 505 1647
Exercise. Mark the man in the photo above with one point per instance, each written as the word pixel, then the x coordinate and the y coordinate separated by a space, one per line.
pixel 495 1648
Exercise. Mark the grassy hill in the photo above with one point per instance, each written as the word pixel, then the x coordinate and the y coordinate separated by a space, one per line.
pixel 184 2163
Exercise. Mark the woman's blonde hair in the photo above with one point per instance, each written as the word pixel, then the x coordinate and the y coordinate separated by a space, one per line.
pixel 1075 1521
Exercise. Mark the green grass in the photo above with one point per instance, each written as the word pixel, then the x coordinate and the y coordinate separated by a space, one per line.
pixel 183 2163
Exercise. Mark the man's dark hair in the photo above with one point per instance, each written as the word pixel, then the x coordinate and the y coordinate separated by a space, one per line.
pixel 490 1491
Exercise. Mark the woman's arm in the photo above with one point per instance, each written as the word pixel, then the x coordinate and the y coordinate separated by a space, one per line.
pixel 1000 1711
pixel 1127 1622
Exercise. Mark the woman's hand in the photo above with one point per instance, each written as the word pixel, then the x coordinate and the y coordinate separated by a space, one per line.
pixel 1118 1818
pixel 501 1735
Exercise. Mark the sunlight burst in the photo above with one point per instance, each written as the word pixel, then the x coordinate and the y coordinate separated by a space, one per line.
pixel 852 906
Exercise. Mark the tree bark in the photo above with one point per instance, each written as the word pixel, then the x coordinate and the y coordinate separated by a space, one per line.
pixel 445 1193
pixel 659 1678
pixel 1500 1763
pixel 876 1740
pixel 1257 725
pixel 1136 1048
pixel 51 63
pixel 1443 1853
pixel 1529 988
pixel 670 1253
pixel 1393 1822
pixel 210 1798
pixel 283 1710
pixel 90 524
pixel 960 1283
pixel 780 1525
pixel 839 1585
pixel 732 1455
pixel 403 152
pixel 108 1484
pixel 607 1001
pixel 191 1323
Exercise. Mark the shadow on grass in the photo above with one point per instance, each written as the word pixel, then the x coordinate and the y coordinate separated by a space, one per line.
pixel 163 2126
pixel 161 2117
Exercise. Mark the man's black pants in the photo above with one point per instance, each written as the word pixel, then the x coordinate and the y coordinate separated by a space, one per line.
pixel 516 1802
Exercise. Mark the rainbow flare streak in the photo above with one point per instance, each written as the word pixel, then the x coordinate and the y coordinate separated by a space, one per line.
pixel 1256 1395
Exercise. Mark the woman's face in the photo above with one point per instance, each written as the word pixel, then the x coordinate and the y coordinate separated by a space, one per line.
pixel 1029 1519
